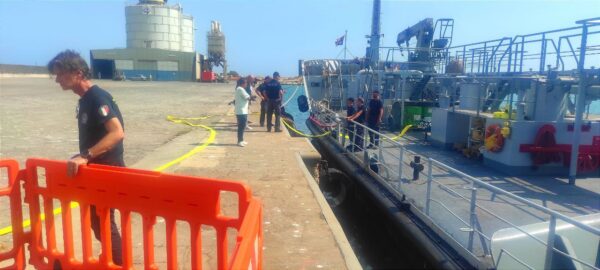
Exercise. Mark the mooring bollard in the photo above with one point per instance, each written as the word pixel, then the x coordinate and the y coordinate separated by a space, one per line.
pixel 417 167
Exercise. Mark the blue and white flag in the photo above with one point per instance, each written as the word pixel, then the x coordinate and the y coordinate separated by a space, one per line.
pixel 340 41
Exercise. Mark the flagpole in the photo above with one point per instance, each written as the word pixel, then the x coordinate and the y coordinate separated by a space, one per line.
pixel 345 41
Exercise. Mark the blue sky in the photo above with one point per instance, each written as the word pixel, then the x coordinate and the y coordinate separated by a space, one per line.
pixel 267 35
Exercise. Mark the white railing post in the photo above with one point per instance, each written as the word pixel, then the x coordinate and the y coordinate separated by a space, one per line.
pixel 365 151
pixel 353 138
pixel 339 134
pixel 473 216
pixel 401 164
pixel 429 180
pixel 550 242
pixel 379 158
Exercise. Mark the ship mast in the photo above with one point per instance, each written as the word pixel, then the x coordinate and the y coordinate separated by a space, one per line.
pixel 373 49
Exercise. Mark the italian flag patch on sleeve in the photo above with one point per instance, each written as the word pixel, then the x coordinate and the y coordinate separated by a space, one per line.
pixel 104 110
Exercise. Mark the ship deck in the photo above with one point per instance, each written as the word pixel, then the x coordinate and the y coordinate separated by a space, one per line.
pixel 450 191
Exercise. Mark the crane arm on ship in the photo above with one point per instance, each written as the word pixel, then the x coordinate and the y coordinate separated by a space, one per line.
pixel 427 49
pixel 423 30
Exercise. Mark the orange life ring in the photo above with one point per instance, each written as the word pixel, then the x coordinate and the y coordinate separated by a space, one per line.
pixel 494 140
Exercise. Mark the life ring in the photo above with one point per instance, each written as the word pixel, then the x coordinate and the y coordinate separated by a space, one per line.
pixel 494 140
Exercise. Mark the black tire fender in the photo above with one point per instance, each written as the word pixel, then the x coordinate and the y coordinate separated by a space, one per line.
pixel 336 186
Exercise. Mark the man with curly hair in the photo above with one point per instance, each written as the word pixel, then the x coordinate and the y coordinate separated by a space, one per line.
pixel 101 129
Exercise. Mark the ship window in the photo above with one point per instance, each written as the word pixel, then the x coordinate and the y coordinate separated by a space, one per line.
pixel 315 84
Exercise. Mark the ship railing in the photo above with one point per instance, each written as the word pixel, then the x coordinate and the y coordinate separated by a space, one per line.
pixel 535 52
pixel 492 97
pixel 462 209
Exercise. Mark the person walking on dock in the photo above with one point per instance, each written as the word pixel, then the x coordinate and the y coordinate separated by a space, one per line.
pixel 359 117
pixel 101 129
pixel 374 117
pixel 274 94
pixel 242 99
pixel 260 91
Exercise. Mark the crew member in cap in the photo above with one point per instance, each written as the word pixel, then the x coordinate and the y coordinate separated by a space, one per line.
pixel 101 129
pixel 374 118
pixel 260 91
pixel 274 94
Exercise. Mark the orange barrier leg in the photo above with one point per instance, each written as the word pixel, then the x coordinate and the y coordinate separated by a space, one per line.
pixel 127 247
pixel 171 244
pixel 149 242
pixel 196 231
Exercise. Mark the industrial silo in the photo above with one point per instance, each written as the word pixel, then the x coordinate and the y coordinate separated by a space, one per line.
pixel 160 46
pixel 153 24
pixel 216 42
pixel 216 47
pixel 187 33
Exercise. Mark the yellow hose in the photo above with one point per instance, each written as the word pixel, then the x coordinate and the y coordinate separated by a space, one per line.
pixel 301 133
pixel 406 128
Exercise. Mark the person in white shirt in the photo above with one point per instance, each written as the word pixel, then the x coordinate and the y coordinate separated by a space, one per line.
pixel 242 99
pixel 249 89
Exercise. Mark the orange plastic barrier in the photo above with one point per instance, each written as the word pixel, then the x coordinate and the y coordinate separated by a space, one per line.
pixel 194 200
pixel 13 192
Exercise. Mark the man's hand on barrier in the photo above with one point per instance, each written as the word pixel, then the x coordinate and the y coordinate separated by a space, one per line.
pixel 73 165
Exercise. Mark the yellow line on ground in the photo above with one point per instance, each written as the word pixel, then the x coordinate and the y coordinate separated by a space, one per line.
pixel 196 149
pixel 211 139
pixel 27 222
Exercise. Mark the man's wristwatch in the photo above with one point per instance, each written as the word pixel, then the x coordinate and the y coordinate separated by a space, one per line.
pixel 86 154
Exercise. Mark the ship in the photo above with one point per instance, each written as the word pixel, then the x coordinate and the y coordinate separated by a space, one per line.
pixel 488 156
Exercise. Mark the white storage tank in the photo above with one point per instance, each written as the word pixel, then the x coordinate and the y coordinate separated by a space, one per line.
pixel 187 33
pixel 472 96
pixel 152 24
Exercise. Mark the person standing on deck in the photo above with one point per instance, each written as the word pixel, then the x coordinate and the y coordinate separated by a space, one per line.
pixel 359 117
pixel 242 99
pixel 260 91
pixel 274 94
pixel 374 117
pixel 101 129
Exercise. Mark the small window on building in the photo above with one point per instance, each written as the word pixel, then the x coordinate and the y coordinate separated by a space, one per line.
pixel 148 43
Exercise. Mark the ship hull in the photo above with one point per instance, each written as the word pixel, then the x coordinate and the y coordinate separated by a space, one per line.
pixel 393 211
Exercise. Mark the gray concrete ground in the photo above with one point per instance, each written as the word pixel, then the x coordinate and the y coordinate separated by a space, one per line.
pixel 38 119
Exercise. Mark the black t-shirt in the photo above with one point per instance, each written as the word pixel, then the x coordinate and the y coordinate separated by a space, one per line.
pixel 261 88
pixel 95 108
pixel 350 111
pixel 272 89
pixel 375 106
pixel 361 118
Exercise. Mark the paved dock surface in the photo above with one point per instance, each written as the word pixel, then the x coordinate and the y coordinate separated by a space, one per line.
pixel 38 119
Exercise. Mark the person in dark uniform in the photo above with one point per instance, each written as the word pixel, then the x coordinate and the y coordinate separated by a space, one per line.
pixel 274 94
pixel 374 117
pixel 260 91
pixel 359 117
pixel 350 110
pixel 101 129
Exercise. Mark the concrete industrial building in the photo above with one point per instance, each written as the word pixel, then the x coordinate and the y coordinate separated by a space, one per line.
pixel 160 46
